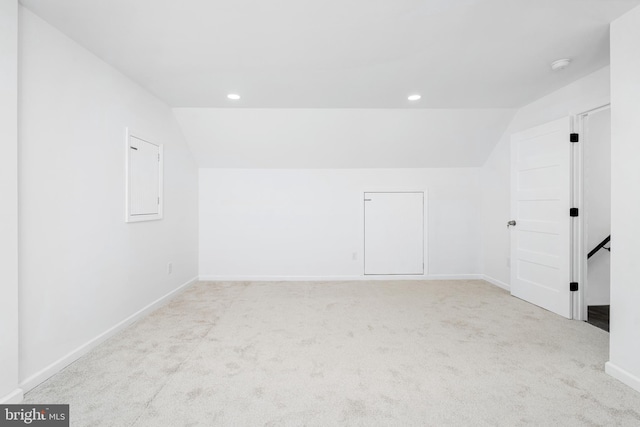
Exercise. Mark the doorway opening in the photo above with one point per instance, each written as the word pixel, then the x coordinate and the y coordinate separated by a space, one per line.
pixel 561 216
pixel 595 130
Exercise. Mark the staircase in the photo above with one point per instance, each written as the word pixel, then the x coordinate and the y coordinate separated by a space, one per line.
pixel 598 315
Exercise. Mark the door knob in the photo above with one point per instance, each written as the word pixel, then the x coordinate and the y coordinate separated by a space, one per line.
pixel 511 223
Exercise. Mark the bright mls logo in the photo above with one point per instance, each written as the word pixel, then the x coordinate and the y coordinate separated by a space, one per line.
pixel 34 415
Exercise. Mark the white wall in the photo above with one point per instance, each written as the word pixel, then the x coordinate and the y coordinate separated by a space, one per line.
pixel 587 93
pixel 9 391
pixel 286 223
pixel 597 204
pixel 83 269
pixel 624 359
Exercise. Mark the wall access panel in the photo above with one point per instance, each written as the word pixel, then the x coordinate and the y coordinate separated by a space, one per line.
pixel 144 179
pixel 394 233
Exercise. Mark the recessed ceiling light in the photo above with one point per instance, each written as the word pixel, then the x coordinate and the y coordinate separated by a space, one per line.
pixel 414 97
pixel 560 64
pixel 233 96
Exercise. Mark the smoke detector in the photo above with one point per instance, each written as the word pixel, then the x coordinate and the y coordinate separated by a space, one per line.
pixel 560 64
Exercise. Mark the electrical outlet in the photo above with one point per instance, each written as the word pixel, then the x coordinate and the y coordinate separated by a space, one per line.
pixel 169 268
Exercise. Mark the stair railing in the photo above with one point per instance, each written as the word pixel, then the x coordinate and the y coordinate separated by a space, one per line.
pixel 600 246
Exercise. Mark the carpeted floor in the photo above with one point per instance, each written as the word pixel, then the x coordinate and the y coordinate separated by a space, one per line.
pixel 346 353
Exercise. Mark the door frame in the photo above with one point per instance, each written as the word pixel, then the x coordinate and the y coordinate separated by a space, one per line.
pixel 579 240
pixel 425 231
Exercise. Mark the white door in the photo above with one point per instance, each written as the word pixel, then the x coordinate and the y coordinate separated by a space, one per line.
pixel 540 203
pixel 394 233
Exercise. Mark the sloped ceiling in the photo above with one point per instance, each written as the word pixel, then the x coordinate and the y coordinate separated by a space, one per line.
pixel 341 138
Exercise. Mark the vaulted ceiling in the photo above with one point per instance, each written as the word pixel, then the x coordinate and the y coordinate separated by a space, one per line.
pixel 342 53
pixel 324 83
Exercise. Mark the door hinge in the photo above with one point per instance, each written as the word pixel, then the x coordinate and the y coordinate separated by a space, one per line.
pixel 574 137
pixel 573 212
pixel 158 201
pixel 158 157
pixel 573 286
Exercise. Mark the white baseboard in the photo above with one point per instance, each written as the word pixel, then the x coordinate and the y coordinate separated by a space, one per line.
pixel 622 375
pixel 15 396
pixel 42 375
pixel 215 278
pixel 496 282
pixel 454 277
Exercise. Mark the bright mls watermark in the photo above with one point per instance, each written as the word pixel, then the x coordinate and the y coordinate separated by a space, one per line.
pixel 34 415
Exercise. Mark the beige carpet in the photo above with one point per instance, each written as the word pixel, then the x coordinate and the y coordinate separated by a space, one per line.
pixel 346 353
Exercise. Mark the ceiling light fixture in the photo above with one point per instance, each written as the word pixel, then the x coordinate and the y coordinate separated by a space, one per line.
pixel 414 97
pixel 560 64
pixel 233 96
